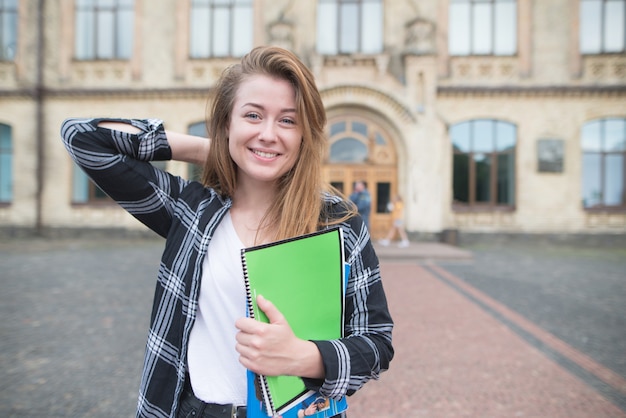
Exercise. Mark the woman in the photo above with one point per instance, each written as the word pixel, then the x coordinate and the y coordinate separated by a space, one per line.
pixel 396 207
pixel 261 182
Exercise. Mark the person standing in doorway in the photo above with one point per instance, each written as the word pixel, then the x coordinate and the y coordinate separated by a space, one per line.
pixel 361 198
pixel 396 207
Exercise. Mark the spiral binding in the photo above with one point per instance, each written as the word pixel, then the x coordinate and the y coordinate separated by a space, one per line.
pixel 244 264
pixel 261 379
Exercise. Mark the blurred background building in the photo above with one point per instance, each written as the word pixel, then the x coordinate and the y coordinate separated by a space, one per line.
pixel 504 116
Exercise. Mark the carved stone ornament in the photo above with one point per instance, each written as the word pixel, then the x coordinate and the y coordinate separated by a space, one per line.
pixel 419 37
pixel 280 33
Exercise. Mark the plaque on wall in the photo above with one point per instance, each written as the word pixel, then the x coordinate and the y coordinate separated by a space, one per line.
pixel 550 154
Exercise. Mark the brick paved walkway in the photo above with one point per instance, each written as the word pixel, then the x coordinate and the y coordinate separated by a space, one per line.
pixel 455 360
pixel 75 316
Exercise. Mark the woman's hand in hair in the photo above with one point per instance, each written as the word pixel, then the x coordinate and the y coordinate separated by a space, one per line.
pixel 273 349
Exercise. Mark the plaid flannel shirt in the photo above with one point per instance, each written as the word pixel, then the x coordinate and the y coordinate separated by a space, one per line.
pixel 186 214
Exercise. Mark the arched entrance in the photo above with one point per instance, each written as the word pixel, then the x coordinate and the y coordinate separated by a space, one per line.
pixel 360 149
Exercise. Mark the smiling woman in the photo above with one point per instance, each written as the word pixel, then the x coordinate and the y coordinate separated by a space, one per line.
pixel 264 140
pixel 296 208
pixel 262 182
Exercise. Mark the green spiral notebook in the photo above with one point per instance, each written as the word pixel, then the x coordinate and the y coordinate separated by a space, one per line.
pixel 304 277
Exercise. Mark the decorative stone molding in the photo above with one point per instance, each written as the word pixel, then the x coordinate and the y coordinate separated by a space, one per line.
pixel 383 155
pixel 205 72
pixel 361 95
pixel 490 69
pixel 604 69
pixel 605 220
pixel 123 93
pixel 101 73
pixel 547 91
pixel 378 61
pixel 280 33
pixel 19 94
pixel 419 37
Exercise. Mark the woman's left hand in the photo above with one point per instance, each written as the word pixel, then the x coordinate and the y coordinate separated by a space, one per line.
pixel 273 349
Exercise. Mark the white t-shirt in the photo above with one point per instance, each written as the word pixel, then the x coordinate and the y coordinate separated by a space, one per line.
pixel 214 368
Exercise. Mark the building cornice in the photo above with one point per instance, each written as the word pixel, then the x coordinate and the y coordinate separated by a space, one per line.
pixel 344 90
pixel 534 91
pixel 169 93
pixel 18 93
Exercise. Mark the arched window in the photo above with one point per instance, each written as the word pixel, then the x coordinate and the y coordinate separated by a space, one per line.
pixel 483 163
pixel 357 141
pixel 348 150
pixel 6 164
pixel 603 143
pixel 361 150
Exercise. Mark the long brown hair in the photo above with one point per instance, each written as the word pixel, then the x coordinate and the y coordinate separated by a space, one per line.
pixel 299 206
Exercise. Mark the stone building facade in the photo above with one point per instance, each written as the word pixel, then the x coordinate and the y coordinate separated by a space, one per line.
pixel 485 116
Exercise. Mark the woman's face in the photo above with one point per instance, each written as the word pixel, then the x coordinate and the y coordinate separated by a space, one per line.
pixel 264 132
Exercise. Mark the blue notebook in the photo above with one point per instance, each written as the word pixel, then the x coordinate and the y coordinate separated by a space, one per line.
pixel 317 405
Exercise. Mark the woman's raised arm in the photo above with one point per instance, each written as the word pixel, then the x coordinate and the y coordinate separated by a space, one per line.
pixel 187 148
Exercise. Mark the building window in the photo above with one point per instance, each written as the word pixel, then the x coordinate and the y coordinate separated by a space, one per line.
pixel 8 29
pixel 86 191
pixel 348 150
pixel 354 140
pixel 602 26
pixel 6 164
pixel 194 171
pixel 349 27
pixel 603 143
pixel 104 29
pixel 483 163
pixel 349 142
pixel 482 27
pixel 220 28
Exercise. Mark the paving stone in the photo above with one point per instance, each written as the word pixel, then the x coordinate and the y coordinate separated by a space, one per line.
pixel 520 330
